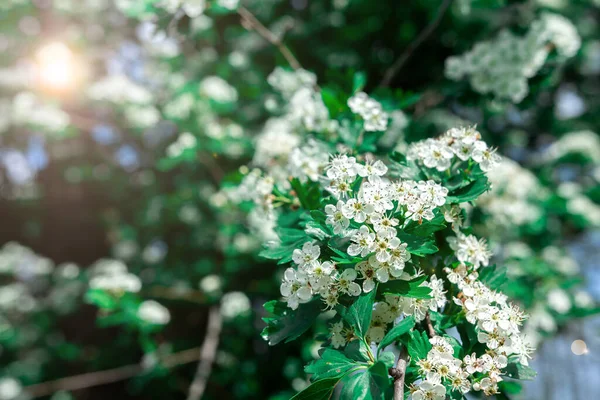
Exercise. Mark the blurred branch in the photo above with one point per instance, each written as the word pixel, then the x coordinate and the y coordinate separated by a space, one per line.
pixel 399 373
pixel 263 31
pixel 429 326
pixel 163 292
pixel 213 167
pixel 99 378
pixel 425 33
pixel 207 354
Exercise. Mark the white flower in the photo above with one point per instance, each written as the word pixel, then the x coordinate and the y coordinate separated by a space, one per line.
pixel 429 391
pixel 385 243
pixel 357 210
pixel 295 288
pixel 336 218
pixel 345 283
pixel 437 156
pixel 234 304
pixel 153 313
pixel 363 242
pixel 486 157
pixel 469 249
pixel 307 256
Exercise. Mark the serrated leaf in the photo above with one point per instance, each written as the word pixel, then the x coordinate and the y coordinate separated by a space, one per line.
pixel 358 315
pixel 366 384
pixel 319 390
pixel 517 370
pixel 357 350
pixel 411 288
pixel 426 228
pixel 493 276
pixel 418 345
pixel 402 328
pixel 332 364
pixel 287 324
pixel 470 192
pixel 388 358
pixel 417 245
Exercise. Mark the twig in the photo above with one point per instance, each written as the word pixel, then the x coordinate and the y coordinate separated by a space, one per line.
pixel 263 31
pixel 213 167
pixel 207 354
pixel 163 292
pixel 398 373
pixel 99 378
pixel 399 63
pixel 429 326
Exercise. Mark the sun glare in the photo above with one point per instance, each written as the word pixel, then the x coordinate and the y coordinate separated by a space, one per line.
pixel 56 67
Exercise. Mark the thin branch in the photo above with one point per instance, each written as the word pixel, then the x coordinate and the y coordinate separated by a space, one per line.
pixel 399 63
pixel 207 354
pixel 99 378
pixel 399 373
pixel 429 326
pixel 263 31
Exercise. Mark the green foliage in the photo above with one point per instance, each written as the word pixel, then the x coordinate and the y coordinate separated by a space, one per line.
pixel 286 324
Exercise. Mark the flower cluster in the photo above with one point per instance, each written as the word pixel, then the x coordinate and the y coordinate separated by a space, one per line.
pixel 462 143
pixel 515 198
pixel 498 322
pixel 375 119
pixel 441 370
pixel 502 65
pixel 113 276
pixel 373 211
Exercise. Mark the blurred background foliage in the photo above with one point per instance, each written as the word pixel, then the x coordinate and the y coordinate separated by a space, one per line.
pixel 120 122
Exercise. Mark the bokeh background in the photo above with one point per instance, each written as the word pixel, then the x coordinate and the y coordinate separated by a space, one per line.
pixel 123 125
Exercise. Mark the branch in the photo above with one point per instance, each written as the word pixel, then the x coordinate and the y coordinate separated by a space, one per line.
pixel 99 378
pixel 207 354
pixel 398 373
pixel 399 63
pixel 263 31
pixel 429 326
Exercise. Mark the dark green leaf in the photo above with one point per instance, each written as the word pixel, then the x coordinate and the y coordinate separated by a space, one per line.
pixel 288 324
pixel 407 288
pixel 493 276
pixel 517 370
pixel 402 328
pixel 417 245
pixel 358 315
pixel 418 345
pixel 470 192
pixel 320 390
pixel 332 364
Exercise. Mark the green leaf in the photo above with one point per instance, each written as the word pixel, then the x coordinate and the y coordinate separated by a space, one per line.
pixel 426 228
pixel 332 102
pixel 411 288
pixel 417 245
pixel 509 387
pixel 418 345
pixel 366 384
pixel 320 390
pixel 517 370
pixel 470 192
pixel 358 315
pixel 493 276
pixel 388 358
pixel 359 81
pixel 357 350
pixel 101 299
pixel 288 324
pixel 402 328
pixel 332 364
pixel 309 194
